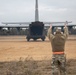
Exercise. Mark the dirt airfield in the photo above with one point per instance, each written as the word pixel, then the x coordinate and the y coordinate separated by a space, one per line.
pixel 15 47
pixel 19 57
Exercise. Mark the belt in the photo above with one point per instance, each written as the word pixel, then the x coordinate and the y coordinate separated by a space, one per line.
pixel 58 52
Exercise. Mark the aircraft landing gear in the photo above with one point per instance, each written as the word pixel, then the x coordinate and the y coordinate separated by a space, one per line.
pixel 43 39
pixel 35 39
pixel 28 39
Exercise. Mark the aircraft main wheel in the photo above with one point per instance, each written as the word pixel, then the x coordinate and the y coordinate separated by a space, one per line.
pixel 28 39
pixel 35 39
pixel 43 39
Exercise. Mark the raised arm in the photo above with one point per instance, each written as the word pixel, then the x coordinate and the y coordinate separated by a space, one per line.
pixel 49 33
pixel 66 33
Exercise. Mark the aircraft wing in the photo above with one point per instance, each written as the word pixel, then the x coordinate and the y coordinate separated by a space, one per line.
pixel 16 23
pixel 56 22
pixel 26 24
pixel 30 22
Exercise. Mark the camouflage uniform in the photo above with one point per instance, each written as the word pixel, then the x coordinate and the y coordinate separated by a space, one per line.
pixel 58 63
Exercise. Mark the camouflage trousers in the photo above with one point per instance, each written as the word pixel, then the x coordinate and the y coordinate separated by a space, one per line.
pixel 58 64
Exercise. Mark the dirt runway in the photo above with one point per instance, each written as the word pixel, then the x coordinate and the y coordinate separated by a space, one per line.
pixel 15 47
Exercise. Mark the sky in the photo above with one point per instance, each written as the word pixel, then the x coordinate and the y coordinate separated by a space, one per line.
pixel 49 10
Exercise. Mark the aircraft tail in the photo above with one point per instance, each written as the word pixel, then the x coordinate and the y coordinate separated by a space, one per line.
pixel 36 11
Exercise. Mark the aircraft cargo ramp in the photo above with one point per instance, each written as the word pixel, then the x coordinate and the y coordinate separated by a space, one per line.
pixel 36 31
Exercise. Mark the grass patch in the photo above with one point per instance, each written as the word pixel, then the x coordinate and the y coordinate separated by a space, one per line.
pixel 32 67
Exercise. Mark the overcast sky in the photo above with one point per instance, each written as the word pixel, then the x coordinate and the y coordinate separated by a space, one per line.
pixel 49 10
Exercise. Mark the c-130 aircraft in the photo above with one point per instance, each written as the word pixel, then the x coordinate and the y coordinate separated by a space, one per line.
pixel 35 29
